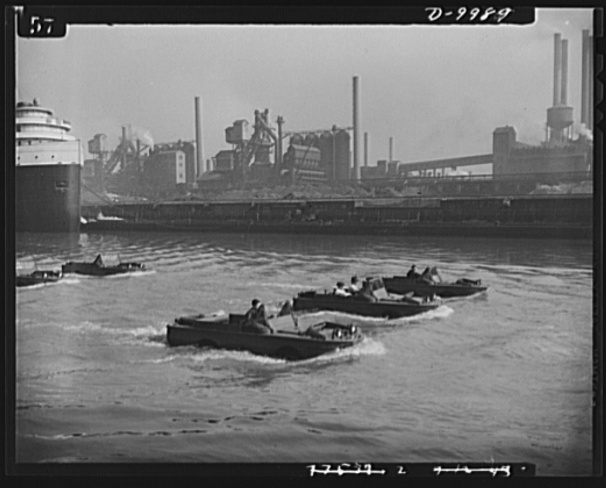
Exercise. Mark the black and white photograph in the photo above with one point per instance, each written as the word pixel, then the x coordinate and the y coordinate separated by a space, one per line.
pixel 324 242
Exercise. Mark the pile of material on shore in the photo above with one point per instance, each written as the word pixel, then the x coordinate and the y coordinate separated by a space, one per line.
pixel 564 188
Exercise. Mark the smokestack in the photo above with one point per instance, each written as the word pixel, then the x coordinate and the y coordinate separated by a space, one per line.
pixel 557 69
pixel 584 77
pixel 391 148
pixel 564 87
pixel 590 84
pixel 199 152
pixel 365 149
pixel 278 159
pixel 124 148
pixel 355 128
pixel 138 158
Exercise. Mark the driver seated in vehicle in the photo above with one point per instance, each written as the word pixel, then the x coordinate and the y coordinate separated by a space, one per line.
pixel 256 320
pixel 412 272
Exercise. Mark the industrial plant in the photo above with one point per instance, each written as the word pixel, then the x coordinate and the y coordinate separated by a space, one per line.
pixel 263 154
pixel 269 179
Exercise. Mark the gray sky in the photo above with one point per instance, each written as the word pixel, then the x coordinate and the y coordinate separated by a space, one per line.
pixel 439 91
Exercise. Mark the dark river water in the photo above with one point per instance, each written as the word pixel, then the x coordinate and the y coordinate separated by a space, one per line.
pixel 503 376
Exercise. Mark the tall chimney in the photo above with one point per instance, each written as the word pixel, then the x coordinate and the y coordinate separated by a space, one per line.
pixel 124 148
pixel 391 149
pixel 199 152
pixel 279 150
pixel 365 149
pixel 584 77
pixel 564 87
pixel 557 68
pixel 590 83
pixel 355 128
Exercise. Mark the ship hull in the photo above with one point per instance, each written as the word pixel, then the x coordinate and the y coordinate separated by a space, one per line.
pixel 47 198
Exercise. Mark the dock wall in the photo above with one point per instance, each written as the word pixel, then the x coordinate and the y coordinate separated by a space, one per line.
pixel 553 216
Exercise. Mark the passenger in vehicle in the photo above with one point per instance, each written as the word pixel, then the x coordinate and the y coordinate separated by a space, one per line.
pixel 256 320
pixel 431 275
pixel 426 275
pixel 340 290
pixel 366 292
pixel 355 285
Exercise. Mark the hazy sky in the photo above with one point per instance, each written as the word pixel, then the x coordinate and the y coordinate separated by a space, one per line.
pixel 439 91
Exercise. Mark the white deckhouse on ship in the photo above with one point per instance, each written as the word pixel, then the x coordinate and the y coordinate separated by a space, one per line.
pixel 47 174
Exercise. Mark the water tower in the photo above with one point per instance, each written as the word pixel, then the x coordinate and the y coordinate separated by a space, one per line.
pixel 559 117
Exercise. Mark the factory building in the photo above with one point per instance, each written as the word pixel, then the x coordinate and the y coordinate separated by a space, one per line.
pixel 189 151
pixel 303 163
pixel 93 170
pixel 165 171
pixel 511 157
pixel 383 169
pixel 93 175
pixel 330 152
pixel 333 149
pixel 314 156
pixel 342 155
pixel 225 161
pixel 559 153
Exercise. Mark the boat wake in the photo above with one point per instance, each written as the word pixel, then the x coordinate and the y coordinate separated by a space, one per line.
pixel 481 294
pixel 133 274
pixel 367 347
pixel 167 359
pixel 130 274
pixel 85 327
pixel 147 331
pixel 138 274
pixel 441 312
pixel 149 336
pixel 64 281
pixel 204 355
pixel 69 281
pixel 34 287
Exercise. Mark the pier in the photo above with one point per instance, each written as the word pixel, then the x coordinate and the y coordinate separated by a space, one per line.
pixel 539 216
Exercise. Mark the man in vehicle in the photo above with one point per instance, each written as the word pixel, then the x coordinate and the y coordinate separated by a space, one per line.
pixel 355 286
pixel 412 272
pixel 431 275
pixel 256 320
pixel 366 292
